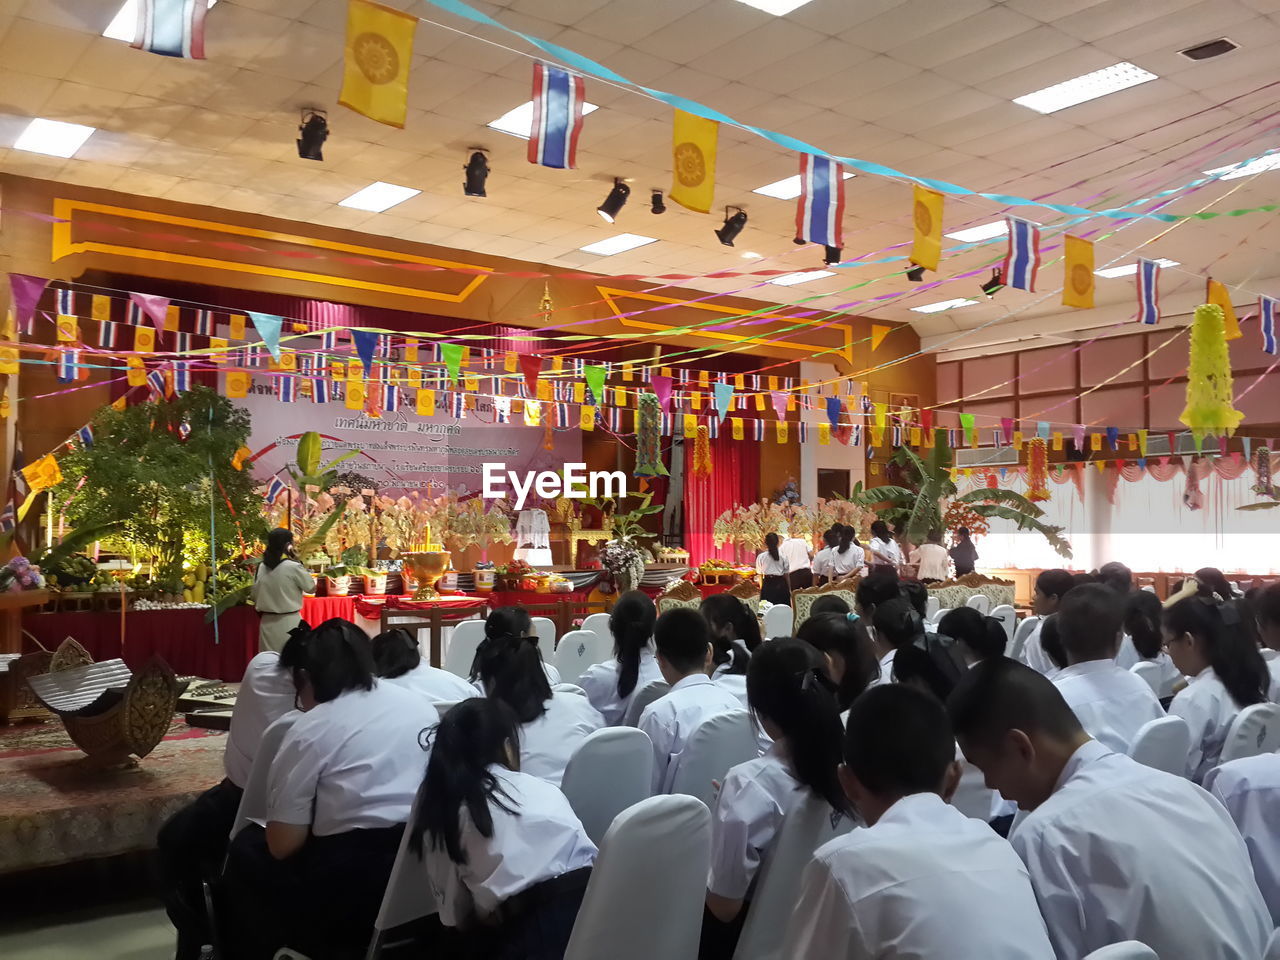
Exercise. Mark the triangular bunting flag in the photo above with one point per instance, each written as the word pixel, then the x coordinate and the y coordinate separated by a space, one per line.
pixel 451 354
pixel 595 376
pixel 878 332
pixel 268 327
pixel 26 291
pixel 724 398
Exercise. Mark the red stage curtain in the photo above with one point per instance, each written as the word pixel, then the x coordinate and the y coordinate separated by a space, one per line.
pixel 734 480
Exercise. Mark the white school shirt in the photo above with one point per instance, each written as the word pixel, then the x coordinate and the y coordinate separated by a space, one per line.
pixel 546 744
pixel 884 554
pixel 1273 667
pixel 553 678
pixel 601 685
pixel 766 566
pixel 1110 703
pixel 924 882
pixel 280 589
pixel 848 563
pixel 1169 676
pixel 542 840
pixel 438 686
pixel 735 683
pixel 822 562
pixel 266 694
pixel 670 721
pixel 1250 790
pixel 886 669
pixel 1122 851
pixel 1208 709
pixel 1033 654
pixel 934 563
pixel 354 762
pixel 797 553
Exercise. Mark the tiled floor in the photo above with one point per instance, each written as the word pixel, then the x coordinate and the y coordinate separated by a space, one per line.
pixel 138 931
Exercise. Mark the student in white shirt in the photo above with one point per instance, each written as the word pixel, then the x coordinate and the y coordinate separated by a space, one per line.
pixel 885 551
pixel 192 844
pixel 921 880
pixel 279 585
pixel 1212 643
pixel 1250 790
pixel 398 660
pixel 1051 586
pixel 840 637
pixel 1266 608
pixel 611 686
pixel 735 632
pixel 848 559
pixel 822 565
pixel 773 571
pixel 798 553
pixel 791 698
pixel 338 795
pixel 683 642
pixel 552 725
pixel 1143 643
pixel 1116 850
pixel 1111 703
pixel 933 563
pixel 507 858
pixel 977 637
pixel 876 588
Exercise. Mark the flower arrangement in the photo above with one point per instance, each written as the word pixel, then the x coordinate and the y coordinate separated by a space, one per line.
pixel 624 561
pixel 19 574
pixel 472 523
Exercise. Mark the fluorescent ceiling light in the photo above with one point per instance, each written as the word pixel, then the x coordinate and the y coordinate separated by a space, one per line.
pixel 378 196
pixel 519 121
pixel 617 244
pixel 1247 169
pixel 124 24
pixel 984 231
pixel 791 279
pixel 1120 76
pixel 787 188
pixel 1129 269
pixel 944 305
pixel 53 137
pixel 777 7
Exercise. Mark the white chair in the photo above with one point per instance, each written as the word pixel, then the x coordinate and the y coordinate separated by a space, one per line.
pixel 545 628
pixel 714 746
pixel 937 617
pixel 599 623
pixel 1128 950
pixel 1273 947
pixel 778 621
pixel 253 802
pixel 932 607
pixel 656 854
pixel 1269 654
pixel 610 771
pixel 1008 618
pixel 809 825
pixel 1027 627
pixel 980 602
pixel 1255 730
pixel 408 894
pixel 461 652
pixel 578 650
pixel 1163 744
pixel 1149 671
pixel 1149 588
pixel 651 691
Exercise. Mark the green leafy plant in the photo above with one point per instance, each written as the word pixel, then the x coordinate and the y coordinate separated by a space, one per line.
pixel 309 472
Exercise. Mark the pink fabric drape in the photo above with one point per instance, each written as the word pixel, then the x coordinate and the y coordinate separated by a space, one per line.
pixel 734 481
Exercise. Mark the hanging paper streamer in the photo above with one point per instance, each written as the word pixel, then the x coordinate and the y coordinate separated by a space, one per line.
pixel 1022 260
pixel 1216 293
pixel 648 438
pixel 926 215
pixel 558 96
pixel 693 144
pixel 1262 466
pixel 1148 280
pixel 820 207
pixel 171 28
pixel 1078 278
pixel 702 451
pixel 379 50
pixel 1267 322
pixel 1209 410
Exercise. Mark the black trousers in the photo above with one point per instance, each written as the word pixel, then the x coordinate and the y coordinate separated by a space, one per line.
pixel 774 589
pixel 192 845
pixel 533 925
pixel 801 578
pixel 720 939
pixel 322 901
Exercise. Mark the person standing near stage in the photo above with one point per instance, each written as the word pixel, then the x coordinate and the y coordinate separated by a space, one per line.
pixel 964 554
pixel 798 553
pixel 772 567
pixel 278 588
pixel 885 551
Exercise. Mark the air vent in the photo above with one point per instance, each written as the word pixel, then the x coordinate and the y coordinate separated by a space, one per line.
pixel 987 457
pixel 1207 51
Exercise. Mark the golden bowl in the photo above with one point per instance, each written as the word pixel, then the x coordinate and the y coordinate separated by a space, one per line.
pixel 427 568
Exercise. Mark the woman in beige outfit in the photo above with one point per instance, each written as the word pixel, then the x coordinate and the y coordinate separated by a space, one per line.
pixel 278 589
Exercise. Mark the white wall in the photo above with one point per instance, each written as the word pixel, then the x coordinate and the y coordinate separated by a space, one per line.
pixel 814 456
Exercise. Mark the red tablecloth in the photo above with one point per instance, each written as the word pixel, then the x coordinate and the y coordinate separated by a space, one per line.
pixel 371 607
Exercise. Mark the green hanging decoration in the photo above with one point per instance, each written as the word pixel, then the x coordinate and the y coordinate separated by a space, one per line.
pixel 1209 411
pixel 648 438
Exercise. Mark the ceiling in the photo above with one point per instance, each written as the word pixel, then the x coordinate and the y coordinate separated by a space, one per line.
pixel 925 86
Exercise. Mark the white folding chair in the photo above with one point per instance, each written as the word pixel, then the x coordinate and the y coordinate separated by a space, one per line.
pixel 1149 671
pixel 778 621
pixel 598 622
pixel 657 853
pixel 253 802
pixel 578 650
pixel 408 895
pixel 980 602
pixel 1128 950
pixel 610 771
pixel 714 746
pixel 809 824
pixel 546 630
pixel 1269 654
pixel 1163 744
pixel 651 691
pixel 461 652
pixel 1013 650
pixel 937 617
pixel 1008 618
pixel 1255 730
pixel 932 607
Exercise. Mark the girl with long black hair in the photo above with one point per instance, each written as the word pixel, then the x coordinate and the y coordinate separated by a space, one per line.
pixel 822 566
pixel 850 663
pixel 773 572
pixel 507 858
pixel 398 660
pixel 735 632
pixel 613 685
pixel 885 551
pixel 1142 641
pixel 793 701
pixel 979 637
pixel 848 559
pixel 279 585
pixel 1214 645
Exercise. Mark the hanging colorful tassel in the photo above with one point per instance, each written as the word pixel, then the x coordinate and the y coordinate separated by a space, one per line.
pixel 1209 387
pixel 1262 466
pixel 1038 471
pixel 702 451
pixel 648 440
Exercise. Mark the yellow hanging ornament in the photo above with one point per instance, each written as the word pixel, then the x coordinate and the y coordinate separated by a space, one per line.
pixel 702 451
pixel 1209 410
pixel 1037 471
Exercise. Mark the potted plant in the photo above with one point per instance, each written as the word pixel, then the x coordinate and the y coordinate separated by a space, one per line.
pixel 472 523
pixel 623 556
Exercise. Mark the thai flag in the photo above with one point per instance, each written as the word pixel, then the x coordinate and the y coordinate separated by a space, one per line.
pixel 757 429
pixel 502 409
pixel 275 490
pixel 390 396
pixel 184 430
pixel 1148 291
pixel 181 376
pixel 155 384
pixel 558 96
pixel 329 340
pixel 204 323
pixel 713 428
pixel 615 419
pixel 286 388
pixel 1267 320
pixel 820 207
pixel 857 434
pixel 171 28
pixel 562 415
pixel 457 405
pixel 804 432
pixel 319 390
pixel 184 343
pixel 897 436
pixel 85 434
pixel 1022 260
pixel 8 518
pixel 134 316
pixel 67 365
pixel 66 301
pixel 107 334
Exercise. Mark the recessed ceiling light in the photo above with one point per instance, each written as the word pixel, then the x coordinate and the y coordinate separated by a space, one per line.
pixel 378 196
pixel 519 121
pixel 617 244
pixel 791 279
pixel 1119 76
pixel 124 25
pixel 984 231
pixel 787 188
pixel 944 305
pixel 1246 169
pixel 53 138
pixel 778 8
pixel 1129 269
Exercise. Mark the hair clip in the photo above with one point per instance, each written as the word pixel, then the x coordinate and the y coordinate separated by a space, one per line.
pixel 852 617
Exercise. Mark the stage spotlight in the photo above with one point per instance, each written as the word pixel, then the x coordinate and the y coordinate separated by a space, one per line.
pixel 831 254
pixel 313 131
pixel 732 225
pixel 916 274
pixel 477 170
pixel 656 205
pixel 994 285
pixel 615 201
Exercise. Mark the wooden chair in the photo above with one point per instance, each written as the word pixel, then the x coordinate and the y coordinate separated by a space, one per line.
pixel 748 591
pixel 681 593
pixel 802 600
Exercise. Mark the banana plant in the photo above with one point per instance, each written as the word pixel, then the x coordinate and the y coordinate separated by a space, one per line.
pixel 309 471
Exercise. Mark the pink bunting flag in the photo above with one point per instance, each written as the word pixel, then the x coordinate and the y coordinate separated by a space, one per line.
pixel 662 389
pixel 26 292
pixel 1006 425
pixel 779 403
pixel 153 306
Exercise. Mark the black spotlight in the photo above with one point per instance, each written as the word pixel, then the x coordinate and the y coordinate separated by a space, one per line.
pixel 994 285
pixel 615 201
pixel 732 225
pixel 313 131
pixel 477 170
pixel 916 274
pixel 831 254
pixel 656 204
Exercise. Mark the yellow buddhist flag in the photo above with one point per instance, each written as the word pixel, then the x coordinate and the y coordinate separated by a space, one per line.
pixel 1095 441
pixel 1142 442
pixel 237 381
pixel 42 474
pixel 220 346
pixel 236 324
pixel 1132 441
pixel 619 397
pixel 664 372
pixel 172 317
pixel 739 381
pixel 1077 276
pixel 68 329
pixel 627 372
pixel 737 427
pixel 100 307
pixel 470 382
pixel 877 436
pixel 532 413
pixel 375 77
pixel 557 364
pixel 5 408
pixel 773 383
pixel 1217 293
pixel 544 390
pixel 926 214
pixel 238 459
pixel 144 339
pixel 781 428
pixel 916 436
pixel 426 403
pixel 696 400
pixel 693 142
pixel 1057 441
pixel 355 394
pixel 411 351
pixel 413 377
pixel 517 405
pixel 136 373
pixel 587 417
pixel 1017 440
pixel 690 426
pixel 9 328
pixel 824 434
pixel 509 363
pixel 579 392
pixel 9 360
